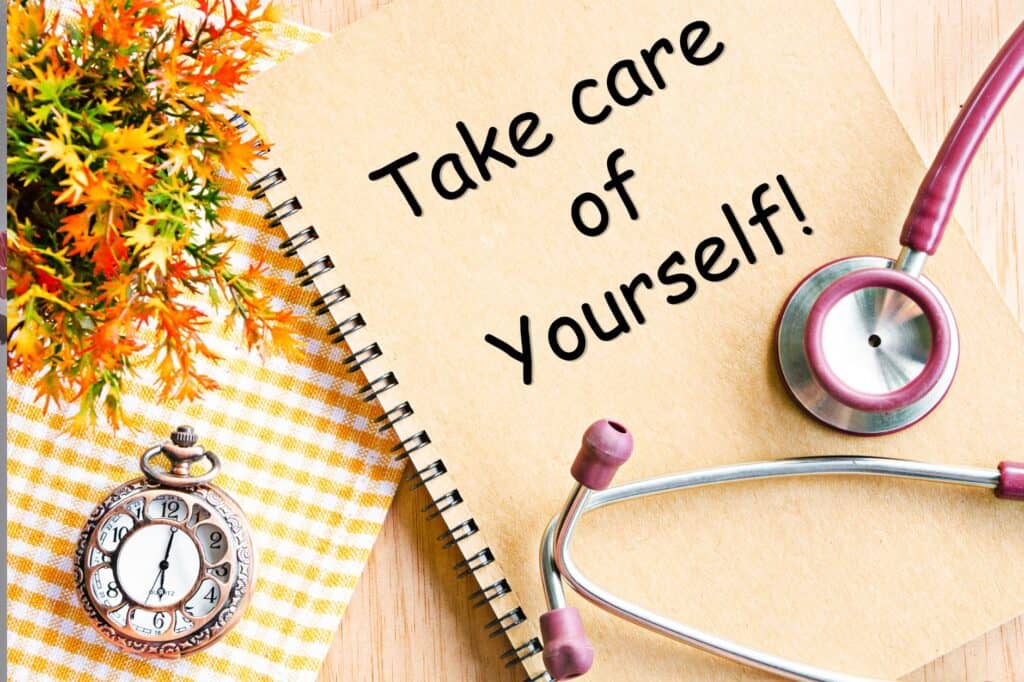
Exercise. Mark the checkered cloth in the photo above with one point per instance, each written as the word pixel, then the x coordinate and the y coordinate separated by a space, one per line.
pixel 300 456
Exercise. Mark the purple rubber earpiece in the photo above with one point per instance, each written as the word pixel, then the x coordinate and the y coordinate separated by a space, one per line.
pixel 567 651
pixel 606 446
pixel 1011 481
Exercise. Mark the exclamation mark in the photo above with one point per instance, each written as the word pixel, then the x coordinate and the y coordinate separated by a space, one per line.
pixel 793 203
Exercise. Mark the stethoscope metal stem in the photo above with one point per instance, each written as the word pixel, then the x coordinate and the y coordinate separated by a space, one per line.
pixel 911 261
pixel 557 563
pixel 554 592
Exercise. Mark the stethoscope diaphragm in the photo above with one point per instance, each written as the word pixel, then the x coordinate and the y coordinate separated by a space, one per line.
pixel 868 357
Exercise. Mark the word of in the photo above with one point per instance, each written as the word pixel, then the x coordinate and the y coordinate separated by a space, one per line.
pixel 617 182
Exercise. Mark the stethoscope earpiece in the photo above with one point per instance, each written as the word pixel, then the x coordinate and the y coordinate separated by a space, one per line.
pixel 605 446
pixel 567 651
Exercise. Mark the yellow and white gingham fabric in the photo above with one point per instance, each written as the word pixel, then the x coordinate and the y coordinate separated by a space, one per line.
pixel 299 455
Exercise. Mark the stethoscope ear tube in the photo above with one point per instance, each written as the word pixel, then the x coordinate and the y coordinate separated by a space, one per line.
pixel 568 653
pixel 934 202
pixel 605 446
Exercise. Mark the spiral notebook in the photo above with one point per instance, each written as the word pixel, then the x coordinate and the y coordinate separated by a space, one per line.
pixel 524 216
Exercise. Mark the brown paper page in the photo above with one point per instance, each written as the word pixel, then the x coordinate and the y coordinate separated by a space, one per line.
pixel 867 576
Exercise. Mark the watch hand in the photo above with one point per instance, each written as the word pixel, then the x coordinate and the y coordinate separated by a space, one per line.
pixel 163 566
pixel 152 587
pixel 169 543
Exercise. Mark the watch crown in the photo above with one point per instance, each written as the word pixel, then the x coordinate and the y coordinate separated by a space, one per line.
pixel 184 436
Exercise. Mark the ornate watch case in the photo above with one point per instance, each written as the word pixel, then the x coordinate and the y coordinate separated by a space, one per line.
pixel 165 565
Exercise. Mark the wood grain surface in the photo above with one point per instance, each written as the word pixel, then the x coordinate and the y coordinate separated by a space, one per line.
pixel 410 618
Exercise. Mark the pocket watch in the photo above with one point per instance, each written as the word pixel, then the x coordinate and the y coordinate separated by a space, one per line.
pixel 165 564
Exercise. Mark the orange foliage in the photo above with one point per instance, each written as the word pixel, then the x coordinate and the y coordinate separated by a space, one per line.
pixel 121 138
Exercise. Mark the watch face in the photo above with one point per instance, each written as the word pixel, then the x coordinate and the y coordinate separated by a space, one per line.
pixel 165 572
pixel 157 565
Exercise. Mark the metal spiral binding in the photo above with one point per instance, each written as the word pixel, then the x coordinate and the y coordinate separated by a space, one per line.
pixel 458 533
pixel 347 326
pixel 488 594
pixel 272 179
pixel 322 304
pixel 515 655
pixel 428 473
pixel 393 416
pixel 285 209
pixel 311 271
pixel 305 236
pixel 470 565
pixel 384 382
pixel 373 388
pixel 411 444
pixel 506 622
pixel 450 499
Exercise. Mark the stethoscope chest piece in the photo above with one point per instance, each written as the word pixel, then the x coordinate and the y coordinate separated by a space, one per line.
pixel 866 347
pixel 869 345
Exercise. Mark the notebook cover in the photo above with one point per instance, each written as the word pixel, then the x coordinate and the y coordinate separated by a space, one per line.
pixel 870 577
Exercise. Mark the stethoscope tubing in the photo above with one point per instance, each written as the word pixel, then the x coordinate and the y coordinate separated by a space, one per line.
pixel 557 564
pixel 933 205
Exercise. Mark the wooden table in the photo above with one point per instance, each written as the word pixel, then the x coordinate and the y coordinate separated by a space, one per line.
pixel 410 618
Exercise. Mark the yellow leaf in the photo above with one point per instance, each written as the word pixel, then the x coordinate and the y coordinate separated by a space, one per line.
pixel 53 148
pixel 179 156
pixel 36 291
pixel 140 236
pixel 131 146
pixel 26 345
pixel 158 253
pixel 76 182
pixel 237 156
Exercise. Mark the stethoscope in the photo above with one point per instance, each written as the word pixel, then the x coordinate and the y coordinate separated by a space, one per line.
pixel 866 344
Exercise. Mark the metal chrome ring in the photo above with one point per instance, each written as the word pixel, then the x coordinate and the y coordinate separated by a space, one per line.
pixel 172 480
